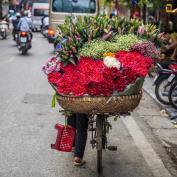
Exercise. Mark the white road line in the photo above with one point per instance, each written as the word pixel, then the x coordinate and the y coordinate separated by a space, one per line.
pixel 150 156
pixel 10 60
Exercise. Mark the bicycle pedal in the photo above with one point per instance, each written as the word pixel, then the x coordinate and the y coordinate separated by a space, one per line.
pixel 112 148
pixel 92 141
pixel 92 129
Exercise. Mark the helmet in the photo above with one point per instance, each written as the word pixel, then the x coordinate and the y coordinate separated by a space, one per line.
pixel 25 13
pixel 18 15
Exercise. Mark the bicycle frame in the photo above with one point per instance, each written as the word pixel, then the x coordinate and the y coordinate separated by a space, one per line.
pixel 99 126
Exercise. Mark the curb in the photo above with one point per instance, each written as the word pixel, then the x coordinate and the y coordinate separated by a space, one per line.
pixel 170 147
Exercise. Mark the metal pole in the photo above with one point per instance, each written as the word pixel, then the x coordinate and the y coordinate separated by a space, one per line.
pixel 117 6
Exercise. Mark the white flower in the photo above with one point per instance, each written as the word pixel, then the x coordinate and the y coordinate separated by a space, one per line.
pixel 111 62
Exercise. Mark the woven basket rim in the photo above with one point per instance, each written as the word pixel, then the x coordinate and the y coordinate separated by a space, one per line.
pixel 98 97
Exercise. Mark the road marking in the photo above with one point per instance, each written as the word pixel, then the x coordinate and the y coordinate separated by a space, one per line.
pixel 150 156
pixel 10 60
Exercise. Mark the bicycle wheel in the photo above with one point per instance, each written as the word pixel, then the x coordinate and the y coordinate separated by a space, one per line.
pixel 99 130
pixel 162 90
pixel 173 95
pixel 104 138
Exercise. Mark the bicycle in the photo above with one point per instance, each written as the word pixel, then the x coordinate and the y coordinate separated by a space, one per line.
pixel 99 126
pixel 98 110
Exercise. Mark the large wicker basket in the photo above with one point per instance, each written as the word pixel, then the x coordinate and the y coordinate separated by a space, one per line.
pixel 88 105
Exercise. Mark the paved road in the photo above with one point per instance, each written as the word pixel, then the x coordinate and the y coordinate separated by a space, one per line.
pixel 27 121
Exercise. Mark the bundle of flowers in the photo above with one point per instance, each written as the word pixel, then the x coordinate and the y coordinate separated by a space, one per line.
pixel 74 33
pixel 102 77
pixel 96 48
pixel 147 49
pixel 96 59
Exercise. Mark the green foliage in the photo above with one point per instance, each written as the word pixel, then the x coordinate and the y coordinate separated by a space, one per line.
pixel 125 42
pixel 97 48
pixel 78 31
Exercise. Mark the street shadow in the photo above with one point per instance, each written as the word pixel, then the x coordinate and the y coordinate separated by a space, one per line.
pixel 27 55
pixel 13 45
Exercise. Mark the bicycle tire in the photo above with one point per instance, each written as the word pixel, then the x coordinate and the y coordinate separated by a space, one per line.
pixel 172 89
pixel 104 138
pixel 99 130
pixel 157 91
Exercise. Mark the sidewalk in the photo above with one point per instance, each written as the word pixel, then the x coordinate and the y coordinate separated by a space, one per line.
pixel 149 88
pixel 168 130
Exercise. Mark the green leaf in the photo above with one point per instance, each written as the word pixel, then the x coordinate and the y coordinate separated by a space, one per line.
pixel 54 100
pixel 72 61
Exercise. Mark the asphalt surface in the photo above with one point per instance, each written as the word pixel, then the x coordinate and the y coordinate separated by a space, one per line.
pixel 27 126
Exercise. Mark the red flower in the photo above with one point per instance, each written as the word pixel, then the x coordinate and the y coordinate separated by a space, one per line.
pixel 135 61
pixel 120 84
pixel 92 77
pixel 111 73
pixel 54 77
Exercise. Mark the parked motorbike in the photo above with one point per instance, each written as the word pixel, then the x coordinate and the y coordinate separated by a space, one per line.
pixel 163 82
pixel 173 90
pixel 3 29
pixel 24 43
pixel 44 31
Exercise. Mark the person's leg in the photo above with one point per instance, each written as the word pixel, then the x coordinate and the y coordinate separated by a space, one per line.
pixel 13 33
pixel 71 120
pixel 81 136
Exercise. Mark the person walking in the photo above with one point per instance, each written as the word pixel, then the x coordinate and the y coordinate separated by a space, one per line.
pixel 80 123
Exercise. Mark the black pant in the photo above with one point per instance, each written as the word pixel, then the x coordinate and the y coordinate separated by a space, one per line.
pixel 80 122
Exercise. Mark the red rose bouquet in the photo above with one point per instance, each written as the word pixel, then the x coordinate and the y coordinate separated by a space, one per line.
pixel 100 64
pixel 103 77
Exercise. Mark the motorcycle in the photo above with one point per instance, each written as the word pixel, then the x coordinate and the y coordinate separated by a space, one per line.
pixel 163 82
pixel 44 31
pixel 16 36
pixel 173 90
pixel 24 42
pixel 3 29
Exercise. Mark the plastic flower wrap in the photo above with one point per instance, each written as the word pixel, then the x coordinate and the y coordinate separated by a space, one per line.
pixel 53 64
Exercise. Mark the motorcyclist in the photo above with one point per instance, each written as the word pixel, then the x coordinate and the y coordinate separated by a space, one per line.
pixel 15 24
pixel 5 20
pixel 45 22
pixel 3 28
pixel 25 24
pixel 45 25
